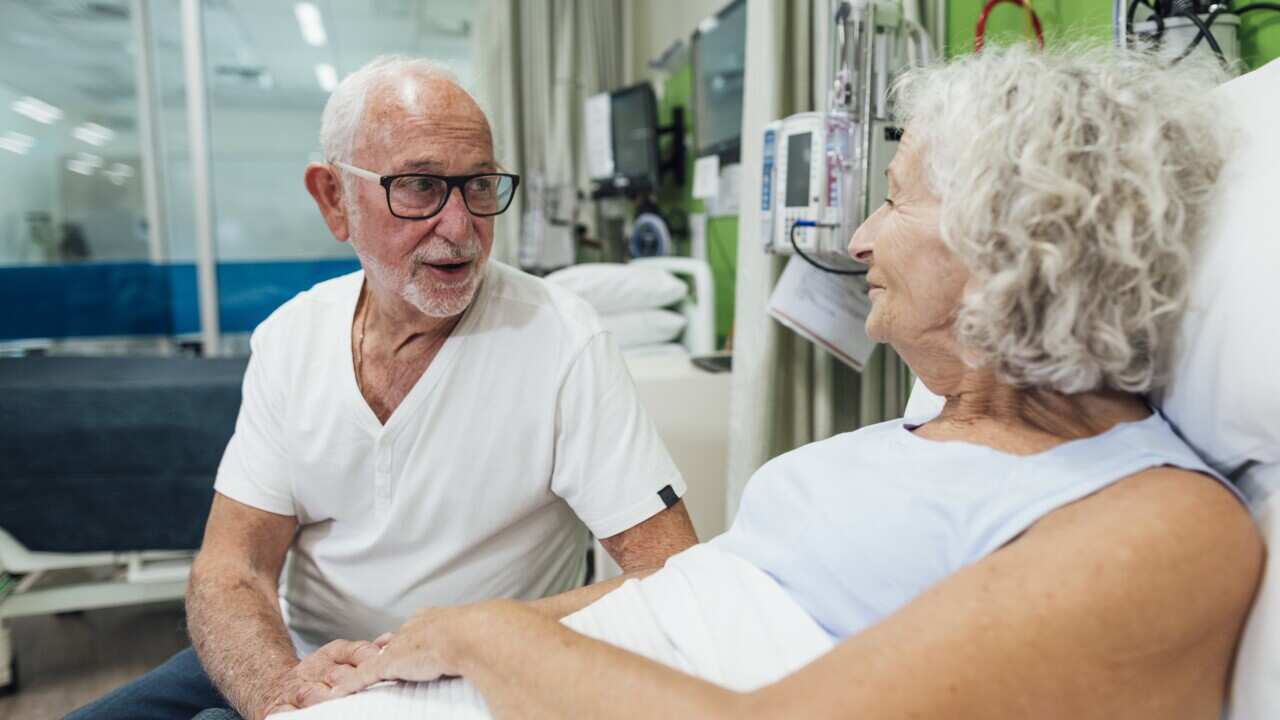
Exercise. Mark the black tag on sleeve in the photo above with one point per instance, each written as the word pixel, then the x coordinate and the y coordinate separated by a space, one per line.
pixel 668 496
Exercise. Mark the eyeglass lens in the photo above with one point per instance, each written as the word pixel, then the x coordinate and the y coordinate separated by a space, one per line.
pixel 418 196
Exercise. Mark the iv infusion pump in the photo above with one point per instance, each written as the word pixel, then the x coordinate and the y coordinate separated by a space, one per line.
pixel 800 184
pixel 813 174
pixel 823 172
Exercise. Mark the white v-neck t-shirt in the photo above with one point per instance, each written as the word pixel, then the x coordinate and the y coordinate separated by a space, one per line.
pixel 526 418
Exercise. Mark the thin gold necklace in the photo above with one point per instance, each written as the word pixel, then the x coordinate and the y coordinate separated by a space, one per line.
pixel 364 321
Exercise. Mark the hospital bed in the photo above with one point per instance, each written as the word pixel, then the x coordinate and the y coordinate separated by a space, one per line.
pixel 107 477
pixel 1224 398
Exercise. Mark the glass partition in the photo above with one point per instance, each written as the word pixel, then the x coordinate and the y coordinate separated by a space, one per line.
pixel 77 253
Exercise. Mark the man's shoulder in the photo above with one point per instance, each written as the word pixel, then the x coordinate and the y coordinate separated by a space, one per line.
pixel 518 293
pixel 309 308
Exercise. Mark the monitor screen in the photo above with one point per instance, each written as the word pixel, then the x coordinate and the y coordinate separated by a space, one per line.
pixel 799 154
pixel 719 62
pixel 634 119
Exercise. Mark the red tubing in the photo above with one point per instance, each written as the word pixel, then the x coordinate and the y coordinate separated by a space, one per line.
pixel 980 34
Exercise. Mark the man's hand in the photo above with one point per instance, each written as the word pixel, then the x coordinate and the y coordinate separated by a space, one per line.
pixel 311 681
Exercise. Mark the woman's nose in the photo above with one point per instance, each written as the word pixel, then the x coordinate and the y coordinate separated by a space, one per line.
pixel 860 244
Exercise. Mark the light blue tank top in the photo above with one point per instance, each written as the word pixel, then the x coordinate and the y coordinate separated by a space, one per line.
pixel 857 526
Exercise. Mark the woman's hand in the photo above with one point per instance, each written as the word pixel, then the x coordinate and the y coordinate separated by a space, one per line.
pixel 425 648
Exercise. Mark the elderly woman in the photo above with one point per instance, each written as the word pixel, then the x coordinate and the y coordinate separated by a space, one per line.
pixel 1046 546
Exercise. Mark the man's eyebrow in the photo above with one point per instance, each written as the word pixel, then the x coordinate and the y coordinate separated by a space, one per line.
pixel 423 165
pixel 436 166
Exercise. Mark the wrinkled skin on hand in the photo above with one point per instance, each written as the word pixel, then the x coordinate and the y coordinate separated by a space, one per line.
pixel 424 648
pixel 312 680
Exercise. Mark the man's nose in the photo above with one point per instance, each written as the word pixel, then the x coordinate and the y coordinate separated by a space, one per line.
pixel 455 220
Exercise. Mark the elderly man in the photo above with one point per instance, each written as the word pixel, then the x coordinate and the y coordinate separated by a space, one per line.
pixel 420 433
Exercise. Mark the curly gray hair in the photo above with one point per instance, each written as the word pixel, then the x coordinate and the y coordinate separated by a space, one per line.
pixel 1073 183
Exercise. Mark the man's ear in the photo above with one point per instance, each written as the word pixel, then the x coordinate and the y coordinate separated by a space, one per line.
pixel 325 187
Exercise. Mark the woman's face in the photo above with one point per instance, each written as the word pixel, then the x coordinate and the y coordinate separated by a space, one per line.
pixel 916 283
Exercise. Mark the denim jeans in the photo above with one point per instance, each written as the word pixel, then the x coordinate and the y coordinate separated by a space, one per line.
pixel 177 690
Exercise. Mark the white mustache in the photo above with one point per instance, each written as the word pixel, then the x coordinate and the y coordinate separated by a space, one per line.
pixel 446 252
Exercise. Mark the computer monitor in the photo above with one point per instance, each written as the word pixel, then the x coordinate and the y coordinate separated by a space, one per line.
pixel 719 62
pixel 621 141
pixel 633 114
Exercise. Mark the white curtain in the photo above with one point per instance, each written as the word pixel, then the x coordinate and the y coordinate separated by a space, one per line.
pixel 497 52
pixel 539 60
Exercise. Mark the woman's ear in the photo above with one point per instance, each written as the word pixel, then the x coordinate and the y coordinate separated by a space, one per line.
pixel 325 186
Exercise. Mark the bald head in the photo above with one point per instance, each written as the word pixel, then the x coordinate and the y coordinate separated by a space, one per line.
pixel 367 104
pixel 412 103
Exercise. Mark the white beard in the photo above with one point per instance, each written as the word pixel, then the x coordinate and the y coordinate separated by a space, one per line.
pixel 413 282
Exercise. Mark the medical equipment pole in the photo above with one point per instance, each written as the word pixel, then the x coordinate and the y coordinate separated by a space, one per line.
pixel 201 173
pixel 1119 37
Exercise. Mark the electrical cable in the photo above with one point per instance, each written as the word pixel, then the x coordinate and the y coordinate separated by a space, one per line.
pixel 1257 6
pixel 1133 9
pixel 980 33
pixel 811 261
pixel 1155 16
pixel 1204 33
pixel 1204 28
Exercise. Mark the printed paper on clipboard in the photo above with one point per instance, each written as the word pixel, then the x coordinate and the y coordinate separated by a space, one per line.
pixel 827 309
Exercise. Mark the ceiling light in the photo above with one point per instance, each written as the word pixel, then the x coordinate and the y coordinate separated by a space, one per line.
pixel 38 110
pixel 16 142
pixel 327 77
pixel 119 173
pixel 84 163
pixel 309 21
pixel 93 134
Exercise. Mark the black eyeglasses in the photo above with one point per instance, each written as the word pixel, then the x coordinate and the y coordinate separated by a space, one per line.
pixel 418 196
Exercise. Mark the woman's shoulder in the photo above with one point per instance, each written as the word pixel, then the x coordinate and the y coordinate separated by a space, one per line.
pixel 1172 525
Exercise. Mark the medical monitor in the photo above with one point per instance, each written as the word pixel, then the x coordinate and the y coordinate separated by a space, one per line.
pixel 634 123
pixel 719 62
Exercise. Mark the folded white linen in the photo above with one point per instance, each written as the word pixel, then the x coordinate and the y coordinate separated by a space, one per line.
pixel 707 613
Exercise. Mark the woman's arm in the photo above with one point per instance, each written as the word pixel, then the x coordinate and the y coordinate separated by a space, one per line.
pixel 1128 604
pixel 529 665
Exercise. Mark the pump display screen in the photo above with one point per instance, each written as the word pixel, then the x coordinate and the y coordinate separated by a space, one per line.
pixel 798 158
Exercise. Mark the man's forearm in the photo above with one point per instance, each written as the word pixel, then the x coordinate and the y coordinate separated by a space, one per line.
pixel 567 603
pixel 240 638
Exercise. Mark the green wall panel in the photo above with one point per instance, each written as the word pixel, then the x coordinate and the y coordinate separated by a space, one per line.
pixel 1259 37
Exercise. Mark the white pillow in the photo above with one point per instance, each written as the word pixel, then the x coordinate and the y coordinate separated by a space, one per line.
pixel 1255 686
pixel 644 327
pixel 1225 397
pixel 615 288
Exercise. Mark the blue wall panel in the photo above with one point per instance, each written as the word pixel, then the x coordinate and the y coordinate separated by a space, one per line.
pixel 123 299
